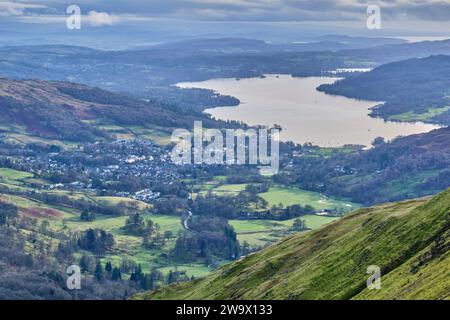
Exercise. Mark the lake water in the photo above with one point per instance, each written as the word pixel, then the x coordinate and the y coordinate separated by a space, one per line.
pixel 305 114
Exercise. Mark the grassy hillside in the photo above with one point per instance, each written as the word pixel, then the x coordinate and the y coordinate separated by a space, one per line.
pixel 35 109
pixel 409 241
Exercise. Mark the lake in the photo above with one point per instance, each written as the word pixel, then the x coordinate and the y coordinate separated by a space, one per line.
pixel 305 114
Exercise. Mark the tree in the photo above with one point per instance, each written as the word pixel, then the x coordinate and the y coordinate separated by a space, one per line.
pixel 171 278
pixel 299 225
pixel 98 273
pixel 137 274
pixel 135 224
pixel 44 227
pixel 378 141
pixel 87 216
pixel 96 240
pixel 116 274
pixel 108 267
pixel 63 251
pixel 156 278
pixel 85 262
pixel 8 213
pixel 245 248
pixel 168 234
pixel 144 282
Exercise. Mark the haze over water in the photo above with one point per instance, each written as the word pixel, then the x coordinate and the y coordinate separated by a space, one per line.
pixel 305 114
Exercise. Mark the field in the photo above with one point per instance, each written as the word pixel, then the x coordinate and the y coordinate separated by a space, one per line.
pixel 27 139
pixel 218 186
pixel 155 134
pixel 231 189
pixel 263 232
pixel 413 117
pixel 277 194
pixel 291 196
pixel 10 174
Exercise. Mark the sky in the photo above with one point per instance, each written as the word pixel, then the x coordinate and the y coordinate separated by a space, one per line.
pixel 253 10
pixel 398 17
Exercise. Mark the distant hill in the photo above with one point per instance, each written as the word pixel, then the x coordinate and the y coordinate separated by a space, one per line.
pixel 242 45
pixel 68 111
pixel 405 168
pixel 202 59
pixel 409 241
pixel 414 89
pixel 396 52
pixel 150 72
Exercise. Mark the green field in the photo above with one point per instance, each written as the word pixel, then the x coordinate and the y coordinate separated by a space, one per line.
pixel 196 270
pixel 10 174
pixel 291 196
pixel 231 189
pixel 114 224
pixel 28 139
pixel 426 116
pixel 278 194
pixel 219 187
pixel 263 232
pixel 159 136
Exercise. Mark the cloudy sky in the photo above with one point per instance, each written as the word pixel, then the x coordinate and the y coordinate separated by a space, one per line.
pixel 406 17
pixel 244 10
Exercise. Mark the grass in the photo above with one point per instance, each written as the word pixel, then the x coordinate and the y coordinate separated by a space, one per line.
pixel 159 136
pixel 408 182
pixel 400 186
pixel 116 200
pixel 331 262
pixel 426 116
pixel 11 174
pixel 168 223
pixel 114 224
pixel 263 232
pixel 219 187
pixel 312 221
pixel 28 139
pixel 196 270
pixel 229 189
pixel 21 202
pixel 278 194
pixel 291 196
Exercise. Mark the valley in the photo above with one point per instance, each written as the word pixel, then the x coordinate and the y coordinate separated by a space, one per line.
pixel 87 179
pixel 407 240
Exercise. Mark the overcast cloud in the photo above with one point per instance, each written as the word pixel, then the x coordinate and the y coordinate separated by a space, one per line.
pixel 244 10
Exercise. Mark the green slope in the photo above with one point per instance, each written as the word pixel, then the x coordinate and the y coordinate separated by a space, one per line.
pixel 409 241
